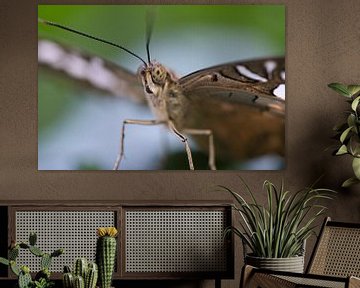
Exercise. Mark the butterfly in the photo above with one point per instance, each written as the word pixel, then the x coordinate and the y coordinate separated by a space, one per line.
pixel 234 111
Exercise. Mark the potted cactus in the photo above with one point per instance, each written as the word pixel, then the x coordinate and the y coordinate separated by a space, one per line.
pixel 106 254
pixel 84 275
pixel 42 278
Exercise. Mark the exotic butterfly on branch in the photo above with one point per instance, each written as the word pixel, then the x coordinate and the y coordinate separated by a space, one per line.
pixel 248 97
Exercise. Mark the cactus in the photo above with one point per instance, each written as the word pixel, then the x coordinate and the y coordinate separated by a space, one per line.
pixel 91 276
pixel 87 272
pixel 80 267
pixel 57 252
pixel 32 238
pixel 105 254
pixel 45 261
pixel 42 278
pixel 24 246
pixel 43 274
pixel 24 280
pixel 67 269
pixel 36 251
pixel 68 280
pixel 13 253
pixel 79 282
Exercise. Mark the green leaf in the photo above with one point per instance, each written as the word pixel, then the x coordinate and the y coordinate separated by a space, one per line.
pixel 356 151
pixel 4 261
pixel 345 134
pixel 342 150
pixel 353 89
pixel 356 167
pixel 340 88
pixel 353 145
pixel 355 103
pixel 351 120
pixel 14 268
pixel 349 182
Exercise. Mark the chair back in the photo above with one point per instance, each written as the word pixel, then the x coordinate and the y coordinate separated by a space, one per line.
pixel 337 251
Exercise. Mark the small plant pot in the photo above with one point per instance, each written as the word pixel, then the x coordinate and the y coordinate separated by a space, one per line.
pixel 291 264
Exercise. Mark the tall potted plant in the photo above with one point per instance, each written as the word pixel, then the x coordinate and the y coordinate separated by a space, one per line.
pixel 348 132
pixel 275 234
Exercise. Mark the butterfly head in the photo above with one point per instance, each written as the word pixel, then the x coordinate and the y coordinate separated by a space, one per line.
pixel 154 77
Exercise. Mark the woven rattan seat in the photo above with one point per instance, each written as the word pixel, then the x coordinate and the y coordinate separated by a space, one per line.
pixel 334 263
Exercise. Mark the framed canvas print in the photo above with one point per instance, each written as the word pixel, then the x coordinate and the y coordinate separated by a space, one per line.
pixel 184 87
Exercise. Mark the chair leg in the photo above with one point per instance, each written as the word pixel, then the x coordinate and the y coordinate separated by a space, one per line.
pixel 246 274
pixel 354 282
pixel 217 282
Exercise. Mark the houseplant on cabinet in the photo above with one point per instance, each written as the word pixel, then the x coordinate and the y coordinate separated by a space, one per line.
pixel 87 274
pixel 84 274
pixel 42 278
pixel 348 132
pixel 106 254
pixel 276 234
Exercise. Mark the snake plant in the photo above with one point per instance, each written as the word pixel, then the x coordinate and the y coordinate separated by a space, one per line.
pixel 279 228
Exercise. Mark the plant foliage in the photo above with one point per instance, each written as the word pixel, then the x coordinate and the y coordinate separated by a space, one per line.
pixel 348 132
pixel 42 278
pixel 280 229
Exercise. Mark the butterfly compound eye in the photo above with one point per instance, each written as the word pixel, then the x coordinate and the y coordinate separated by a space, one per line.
pixel 158 75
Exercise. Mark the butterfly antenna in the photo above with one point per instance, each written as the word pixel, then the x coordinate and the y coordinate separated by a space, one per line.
pixel 150 18
pixel 91 37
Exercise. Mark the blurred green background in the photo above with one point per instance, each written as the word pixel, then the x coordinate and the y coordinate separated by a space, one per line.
pixel 185 38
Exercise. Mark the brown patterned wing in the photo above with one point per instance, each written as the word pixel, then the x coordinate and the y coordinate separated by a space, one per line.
pixel 243 103
pixel 93 71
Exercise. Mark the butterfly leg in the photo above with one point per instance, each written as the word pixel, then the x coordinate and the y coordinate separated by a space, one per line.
pixel 120 155
pixel 208 133
pixel 185 140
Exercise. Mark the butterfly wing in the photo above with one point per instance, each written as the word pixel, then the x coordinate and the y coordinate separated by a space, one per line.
pixel 243 103
pixel 95 72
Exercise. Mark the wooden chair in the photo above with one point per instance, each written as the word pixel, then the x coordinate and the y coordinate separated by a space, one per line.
pixel 335 262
